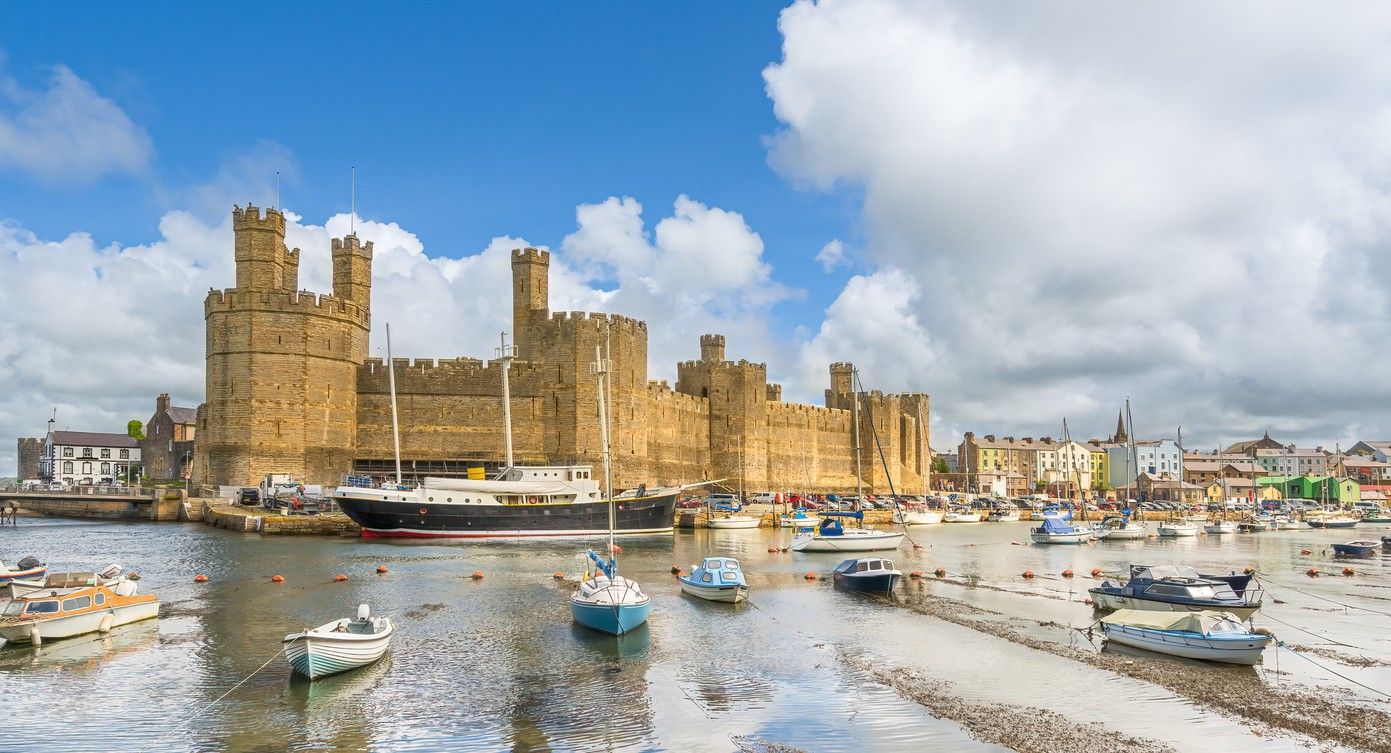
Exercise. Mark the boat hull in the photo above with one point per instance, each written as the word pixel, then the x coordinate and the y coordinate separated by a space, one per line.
pixel 1079 537
pixel 1244 650
pixel 1356 550
pixel 961 517
pixel 1219 528
pixel 731 594
pixel 1110 602
pixel 1177 531
pixel 654 514
pixel 1332 523
pixel 30 574
pixel 875 542
pixel 917 518
pixel 316 656
pixel 1121 534
pixel 613 619
pixel 799 523
pixel 733 522
pixel 83 623
pixel 872 582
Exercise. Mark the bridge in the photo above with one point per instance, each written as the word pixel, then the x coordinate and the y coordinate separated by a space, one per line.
pixel 97 502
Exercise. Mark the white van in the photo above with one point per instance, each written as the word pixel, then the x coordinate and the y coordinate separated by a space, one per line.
pixel 762 498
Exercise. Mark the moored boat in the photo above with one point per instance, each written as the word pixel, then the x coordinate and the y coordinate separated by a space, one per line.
pixel 1218 527
pixel 1173 529
pixel 1120 528
pixel 340 645
pixel 962 514
pixel 915 514
pixel 28 568
pixel 1332 521
pixel 1059 531
pixel 799 519
pixel 1004 515
pixel 1379 516
pixel 732 521
pixel 716 579
pixel 1206 635
pixel 62 581
pixel 1171 588
pixel 70 612
pixel 832 536
pixel 867 575
pixel 1362 548
pixel 608 602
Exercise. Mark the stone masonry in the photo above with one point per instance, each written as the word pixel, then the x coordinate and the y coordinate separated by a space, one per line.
pixel 290 390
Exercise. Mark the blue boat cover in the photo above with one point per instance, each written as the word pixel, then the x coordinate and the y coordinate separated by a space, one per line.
pixel 857 515
pixel 1057 525
pixel 606 567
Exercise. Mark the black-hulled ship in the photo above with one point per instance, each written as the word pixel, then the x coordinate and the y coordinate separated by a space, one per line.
pixel 524 501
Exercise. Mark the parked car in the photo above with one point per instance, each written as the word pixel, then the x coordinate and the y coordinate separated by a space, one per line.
pixel 762 498
pixel 689 503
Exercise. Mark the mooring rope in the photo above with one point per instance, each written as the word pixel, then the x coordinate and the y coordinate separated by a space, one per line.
pixel 214 702
pixel 1325 598
pixel 1332 671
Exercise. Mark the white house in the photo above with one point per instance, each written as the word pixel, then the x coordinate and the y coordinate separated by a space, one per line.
pixel 1160 457
pixel 89 457
pixel 1294 461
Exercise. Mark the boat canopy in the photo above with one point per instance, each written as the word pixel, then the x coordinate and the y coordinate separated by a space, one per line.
pixel 1195 622
pixel 1160 572
pixel 1057 525
pixel 857 515
pixel 498 487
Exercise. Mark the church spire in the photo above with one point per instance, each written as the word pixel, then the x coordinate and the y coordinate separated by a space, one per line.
pixel 1120 436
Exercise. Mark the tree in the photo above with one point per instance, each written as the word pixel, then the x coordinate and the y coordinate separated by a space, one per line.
pixel 939 465
pixel 135 429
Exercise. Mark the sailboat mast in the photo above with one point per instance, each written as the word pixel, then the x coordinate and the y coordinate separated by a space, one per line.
pixel 1134 451
pixel 505 354
pixel 855 420
pixel 395 422
pixel 601 371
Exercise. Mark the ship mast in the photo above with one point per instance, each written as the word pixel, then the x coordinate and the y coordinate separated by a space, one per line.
pixel 395 423
pixel 855 420
pixel 505 354
pixel 601 371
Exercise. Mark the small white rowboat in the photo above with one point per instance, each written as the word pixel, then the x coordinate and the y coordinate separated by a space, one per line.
pixel 340 645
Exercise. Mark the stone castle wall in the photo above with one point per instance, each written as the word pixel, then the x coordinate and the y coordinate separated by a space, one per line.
pixel 290 389
pixel 29 453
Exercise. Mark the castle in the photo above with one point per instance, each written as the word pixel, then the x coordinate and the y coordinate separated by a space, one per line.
pixel 291 389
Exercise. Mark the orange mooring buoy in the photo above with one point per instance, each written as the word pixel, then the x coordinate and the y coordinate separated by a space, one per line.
pixel 1250 571
pixel 940 572
pixel 1305 551
pixel 1087 600
pixel 558 575
pixel 200 578
pixel 810 575
pixel 1096 572
pixel 277 579
pixel 616 549
pixel 381 569
pixel 675 570
pixel 1067 573
pixel 1312 573
pixel 917 546
pixel 339 578
pixel 1348 571
pixel 915 574
pixel 477 575
pixel 132 576
pixel 772 550
pixel 1028 573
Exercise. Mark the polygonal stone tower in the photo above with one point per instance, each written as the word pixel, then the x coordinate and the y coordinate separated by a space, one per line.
pixel 530 299
pixel 281 376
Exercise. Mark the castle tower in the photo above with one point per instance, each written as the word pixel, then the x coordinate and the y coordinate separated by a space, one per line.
pixel 352 270
pixel 281 366
pixel 530 299
pixel 712 348
pixel 842 379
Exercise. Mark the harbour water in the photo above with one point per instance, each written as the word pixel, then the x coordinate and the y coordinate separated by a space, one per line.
pixel 495 663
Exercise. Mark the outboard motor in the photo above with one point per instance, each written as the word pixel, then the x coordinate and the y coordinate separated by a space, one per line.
pixel 29 563
pixel 364 613
pixel 110 571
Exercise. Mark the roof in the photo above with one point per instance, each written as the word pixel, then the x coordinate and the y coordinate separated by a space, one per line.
pixel 182 415
pixel 1357 461
pixel 1231 482
pixel 93 439
pixel 1206 466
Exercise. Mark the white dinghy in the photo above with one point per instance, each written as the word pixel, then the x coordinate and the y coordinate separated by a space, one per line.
pixel 340 645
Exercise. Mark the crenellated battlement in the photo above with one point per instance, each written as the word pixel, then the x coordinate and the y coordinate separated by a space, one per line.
pixel 251 218
pixel 530 255
pixel 448 376
pixel 349 244
pixel 661 390
pixel 287 301
pixel 597 320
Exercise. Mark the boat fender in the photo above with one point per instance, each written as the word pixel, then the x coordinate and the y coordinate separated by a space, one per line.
pixel 34 637
pixel 423 510
pixel 105 625
pixel 1348 571
pixel 615 549
pixel 1263 631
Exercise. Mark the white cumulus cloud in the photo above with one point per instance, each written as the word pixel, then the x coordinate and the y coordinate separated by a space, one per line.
pixel 67 132
pixel 1188 204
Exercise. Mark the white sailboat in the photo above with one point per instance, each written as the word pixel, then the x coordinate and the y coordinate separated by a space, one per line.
pixel 731 520
pixel 606 601
pixel 1121 527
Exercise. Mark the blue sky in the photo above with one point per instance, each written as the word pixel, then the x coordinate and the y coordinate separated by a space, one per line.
pixel 465 121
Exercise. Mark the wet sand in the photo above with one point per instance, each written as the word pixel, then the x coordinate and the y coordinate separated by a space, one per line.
pixel 1230 690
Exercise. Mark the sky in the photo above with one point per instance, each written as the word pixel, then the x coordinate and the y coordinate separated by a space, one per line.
pixel 1029 213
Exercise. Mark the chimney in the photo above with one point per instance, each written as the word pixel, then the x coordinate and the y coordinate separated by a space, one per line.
pixel 161 403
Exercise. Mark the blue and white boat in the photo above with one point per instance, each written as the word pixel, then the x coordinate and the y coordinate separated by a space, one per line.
pixel 608 602
pixel 716 579
pixel 1059 531
pixel 340 645
pixel 799 519
pixel 1179 588
pixel 1209 636
pixel 1364 548
pixel 874 575
pixel 832 536
pixel 28 568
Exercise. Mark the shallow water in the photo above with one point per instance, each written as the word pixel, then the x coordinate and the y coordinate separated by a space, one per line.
pixel 496 664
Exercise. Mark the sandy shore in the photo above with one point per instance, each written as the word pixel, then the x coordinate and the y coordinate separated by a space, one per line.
pixel 1224 689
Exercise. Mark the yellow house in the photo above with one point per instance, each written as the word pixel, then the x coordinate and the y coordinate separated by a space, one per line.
pixel 1099 465
pixel 1238 489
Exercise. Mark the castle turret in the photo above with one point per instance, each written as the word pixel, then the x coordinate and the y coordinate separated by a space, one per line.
pixel 530 299
pixel 712 348
pixel 259 248
pixel 352 270
pixel 291 272
pixel 842 377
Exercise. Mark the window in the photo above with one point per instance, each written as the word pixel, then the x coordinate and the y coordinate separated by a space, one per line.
pixel 42 607
pixel 86 452
pixel 86 467
pixel 105 467
pixel 67 466
pixel 125 454
pixel 105 453
pixel 81 602
pixel 101 599
pixel 67 452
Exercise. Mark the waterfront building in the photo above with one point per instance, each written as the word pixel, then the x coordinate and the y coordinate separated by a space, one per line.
pixel 1234 489
pixel 1376 449
pixel 290 389
pixel 1293 461
pixel 1098 464
pixel 1249 447
pixel 167 449
pixel 78 458
pixel 1198 469
pixel 1366 470
pixel 1158 457
pixel 1162 487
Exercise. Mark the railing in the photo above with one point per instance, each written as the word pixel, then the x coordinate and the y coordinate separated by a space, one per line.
pixel 70 491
